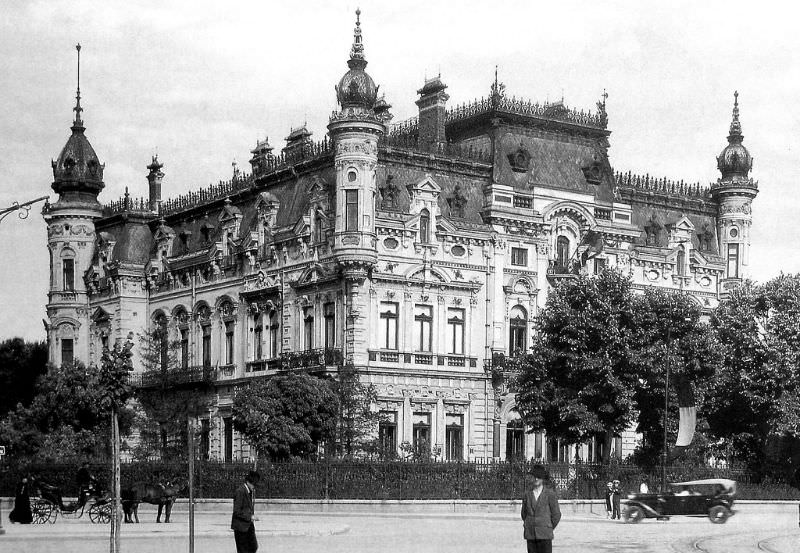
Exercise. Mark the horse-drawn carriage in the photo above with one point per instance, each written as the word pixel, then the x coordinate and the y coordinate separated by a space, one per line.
pixel 47 502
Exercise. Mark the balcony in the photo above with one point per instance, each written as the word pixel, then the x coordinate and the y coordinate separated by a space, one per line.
pixel 197 375
pixel 311 359
pixel 402 358
pixel 559 271
pixel 260 365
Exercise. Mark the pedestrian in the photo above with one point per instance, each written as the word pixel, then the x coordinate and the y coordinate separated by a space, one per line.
pixel 615 500
pixel 86 481
pixel 244 531
pixel 643 488
pixel 540 513
pixel 609 498
pixel 22 503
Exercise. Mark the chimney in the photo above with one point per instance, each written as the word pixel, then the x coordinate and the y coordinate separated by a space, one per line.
pixel 154 180
pixel 432 104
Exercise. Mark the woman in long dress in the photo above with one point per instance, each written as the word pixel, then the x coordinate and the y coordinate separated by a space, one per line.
pixel 22 504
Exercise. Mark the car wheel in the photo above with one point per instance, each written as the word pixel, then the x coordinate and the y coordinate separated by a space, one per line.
pixel 633 514
pixel 718 514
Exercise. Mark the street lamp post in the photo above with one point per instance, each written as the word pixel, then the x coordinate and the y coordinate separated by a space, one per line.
pixel 22 209
pixel 665 455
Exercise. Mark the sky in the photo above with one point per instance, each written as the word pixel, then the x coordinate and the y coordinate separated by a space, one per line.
pixel 199 82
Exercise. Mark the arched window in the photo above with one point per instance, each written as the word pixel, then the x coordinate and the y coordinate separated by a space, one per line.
pixel 258 336
pixel 319 234
pixel 161 339
pixel 517 331
pixel 66 335
pixel 681 262
pixel 424 226
pixel 68 270
pixel 274 327
pixel 562 251
pixel 308 328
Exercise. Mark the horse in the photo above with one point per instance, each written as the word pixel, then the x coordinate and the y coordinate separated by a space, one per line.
pixel 159 494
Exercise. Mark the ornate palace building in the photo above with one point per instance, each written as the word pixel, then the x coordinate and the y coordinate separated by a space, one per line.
pixel 419 251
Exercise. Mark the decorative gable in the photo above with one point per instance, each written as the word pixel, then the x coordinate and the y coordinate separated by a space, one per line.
pixel 424 195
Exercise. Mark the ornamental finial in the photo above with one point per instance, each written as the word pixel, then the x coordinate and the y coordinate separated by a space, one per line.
pixel 735 133
pixel 78 123
pixel 357 51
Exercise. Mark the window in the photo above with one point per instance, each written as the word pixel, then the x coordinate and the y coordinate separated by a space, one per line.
pixel 161 336
pixel 387 432
pixel 67 351
pixel 515 440
pixel 68 266
pixel 273 334
pixel 733 260
pixel 184 348
pixel 424 226
pixel 389 318
pixel 207 345
pixel 599 265
pixel 308 328
pixel 454 437
pixel 319 235
pixel 519 256
pixel 455 330
pixel 329 312
pixel 421 435
pixel 351 210
pixel 229 343
pixel 423 317
pixel 518 329
pixel 205 439
pixel 258 338
pixel 562 251
pixel 227 424
pixel 681 262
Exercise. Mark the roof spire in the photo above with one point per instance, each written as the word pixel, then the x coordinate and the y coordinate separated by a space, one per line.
pixel 735 133
pixel 357 59
pixel 78 123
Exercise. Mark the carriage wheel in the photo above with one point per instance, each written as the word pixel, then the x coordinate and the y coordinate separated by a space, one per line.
pixel 100 513
pixel 43 511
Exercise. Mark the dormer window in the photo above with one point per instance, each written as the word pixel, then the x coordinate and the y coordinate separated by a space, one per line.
pixel 681 262
pixel 319 234
pixel 425 226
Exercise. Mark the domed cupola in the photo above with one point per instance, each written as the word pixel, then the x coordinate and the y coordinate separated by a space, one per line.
pixel 78 171
pixel 356 88
pixel 735 160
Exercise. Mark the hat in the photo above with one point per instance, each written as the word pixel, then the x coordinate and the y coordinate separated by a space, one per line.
pixel 538 471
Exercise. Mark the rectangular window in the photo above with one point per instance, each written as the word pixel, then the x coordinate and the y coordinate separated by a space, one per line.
pixel 67 352
pixel 599 265
pixel 423 319
pixel 515 440
pixel 454 438
pixel 308 328
pixel 733 260
pixel 229 343
pixel 227 423
pixel 184 348
pixel 422 433
pixel 455 330
pixel 273 334
pixel 351 210
pixel 258 336
pixel 205 439
pixel 519 256
pixel 329 312
pixel 389 320
pixel 206 345
pixel 387 433
pixel 69 274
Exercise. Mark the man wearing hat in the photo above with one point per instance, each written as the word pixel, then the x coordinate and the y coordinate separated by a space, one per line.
pixel 244 531
pixel 540 513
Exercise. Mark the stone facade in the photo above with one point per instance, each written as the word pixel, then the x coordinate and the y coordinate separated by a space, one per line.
pixel 418 251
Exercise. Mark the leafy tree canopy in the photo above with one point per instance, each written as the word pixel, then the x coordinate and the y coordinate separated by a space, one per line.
pixel 286 416
pixel 759 329
pixel 21 363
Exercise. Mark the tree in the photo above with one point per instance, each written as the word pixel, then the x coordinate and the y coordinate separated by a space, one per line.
pixel 66 418
pixel 357 417
pixel 757 392
pixel 169 401
pixel 21 364
pixel 598 360
pixel 286 416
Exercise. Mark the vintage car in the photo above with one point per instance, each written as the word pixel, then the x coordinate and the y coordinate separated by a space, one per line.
pixel 712 498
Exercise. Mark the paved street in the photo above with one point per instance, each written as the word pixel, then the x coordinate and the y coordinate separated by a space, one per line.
pixel 773 529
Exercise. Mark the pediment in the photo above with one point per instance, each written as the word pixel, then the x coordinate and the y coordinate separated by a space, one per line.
pixel 426 185
pixel 100 315
pixel 684 224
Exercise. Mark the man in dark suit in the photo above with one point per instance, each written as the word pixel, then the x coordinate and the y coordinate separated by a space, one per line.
pixel 540 513
pixel 244 531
